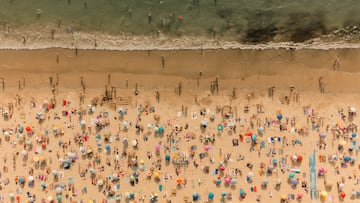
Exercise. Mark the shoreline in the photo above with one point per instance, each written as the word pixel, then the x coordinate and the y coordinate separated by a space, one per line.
pixel 32 39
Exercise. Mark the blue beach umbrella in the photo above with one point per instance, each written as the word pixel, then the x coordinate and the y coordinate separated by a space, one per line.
pixel 211 195
pixel 217 181
pixel 167 157
pixel 59 198
pixel 279 116
pixel 195 196
pixel 223 193
pixel 220 127
pixel 291 175
pixel 21 180
pixel 107 147
pixel 347 159
pixel 98 137
pixel 294 182
pixel 242 192
pixel 253 137
pixel 161 130
pixel 353 135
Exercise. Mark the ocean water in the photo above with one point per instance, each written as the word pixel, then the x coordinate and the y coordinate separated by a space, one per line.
pixel 248 21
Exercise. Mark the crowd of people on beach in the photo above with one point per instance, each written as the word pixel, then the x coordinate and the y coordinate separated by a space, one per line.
pixel 117 152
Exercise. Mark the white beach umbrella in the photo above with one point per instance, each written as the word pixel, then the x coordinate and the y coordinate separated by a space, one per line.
pixel 134 143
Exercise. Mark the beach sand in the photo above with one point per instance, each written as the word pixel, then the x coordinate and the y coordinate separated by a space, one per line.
pixel 26 75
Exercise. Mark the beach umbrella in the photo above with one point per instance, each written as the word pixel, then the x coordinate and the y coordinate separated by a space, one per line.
pixel 278 181
pixel 323 195
pixel 58 190
pixel 220 127
pixel 134 143
pixel 322 135
pixel 299 158
pixel 249 177
pixel 12 195
pixel 59 198
pixel 352 110
pixel 347 159
pixel 31 178
pixel 28 129
pixel 291 175
pixel 55 173
pixel 233 181
pixel 242 193
pixel 279 116
pixel 21 129
pixel 31 200
pixel 125 140
pixel 167 157
pixel 179 181
pixel 253 137
pixel 342 195
pixel 50 198
pixel 265 181
pixel 300 195
pixel 227 180
pixel 353 135
pixel 157 147
pixel 204 123
pixel 217 181
pixel 55 130
pixel 6 133
pixel 322 170
pixel 261 130
pixel 21 180
pixel 24 153
pixel 222 168
pixel 341 186
pixel 92 171
pixel 195 196
pixel 98 137
pixel 156 175
pixel 206 147
pixel 19 136
pixel 82 123
pixel 294 158
pixel 82 150
pixel 132 195
pixel 223 194
pixel 121 111
pixel 283 197
pixel 211 195
pixel 107 147
pixel 125 124
pixel 160 130
pixel 342 142
pixel 294 182
pixel 101 182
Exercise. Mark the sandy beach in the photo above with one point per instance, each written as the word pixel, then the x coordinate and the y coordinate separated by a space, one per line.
pixel 235 125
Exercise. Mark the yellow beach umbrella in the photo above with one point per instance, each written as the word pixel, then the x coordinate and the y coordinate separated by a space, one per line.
pixel 342 142
pixel 156 174
pixel 323 195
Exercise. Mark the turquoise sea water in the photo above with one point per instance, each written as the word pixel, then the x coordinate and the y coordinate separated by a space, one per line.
pixel 242 20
